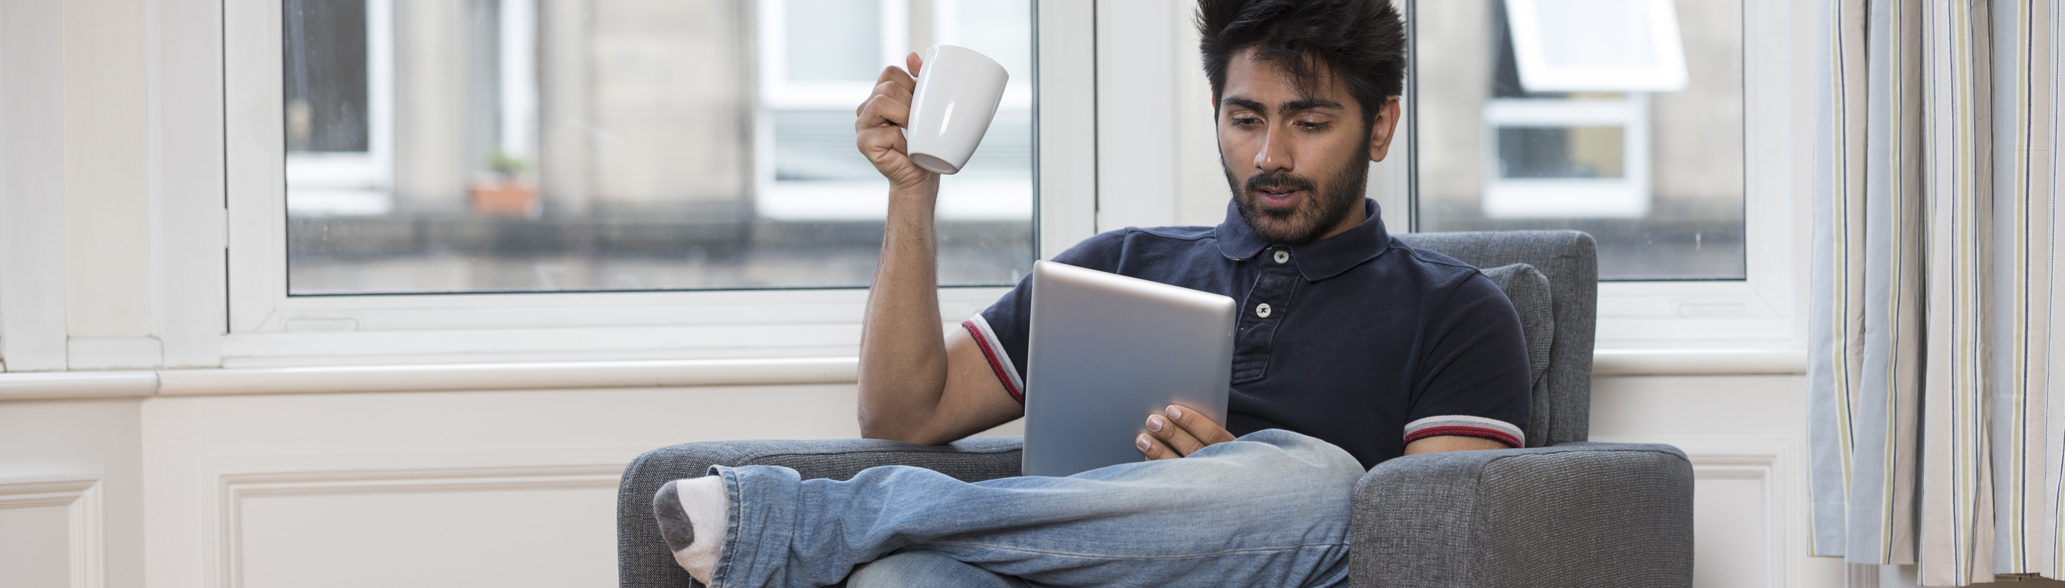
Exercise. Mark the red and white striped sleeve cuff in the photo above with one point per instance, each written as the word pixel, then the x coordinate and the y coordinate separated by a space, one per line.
pixel 1465 426
pixel 999 361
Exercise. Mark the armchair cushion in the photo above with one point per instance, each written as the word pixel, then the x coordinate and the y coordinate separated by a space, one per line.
pixel 1529 292
pixel 1576 514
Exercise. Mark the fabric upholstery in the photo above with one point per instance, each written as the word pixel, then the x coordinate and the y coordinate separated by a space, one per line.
pixel 642 556
pixel 1529 291
pixel 1570 261
pixel 1578 514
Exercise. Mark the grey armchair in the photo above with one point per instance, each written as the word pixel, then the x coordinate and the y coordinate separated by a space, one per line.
pixel 1560 512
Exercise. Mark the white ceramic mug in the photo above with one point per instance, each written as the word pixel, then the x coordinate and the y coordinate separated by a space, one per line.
pixel 958 92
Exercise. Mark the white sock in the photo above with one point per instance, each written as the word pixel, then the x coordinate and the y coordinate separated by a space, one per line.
pixel 702 502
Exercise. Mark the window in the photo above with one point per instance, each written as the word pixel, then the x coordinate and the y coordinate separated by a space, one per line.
pixel 608 179
pixel 478 146
pixel 1604 116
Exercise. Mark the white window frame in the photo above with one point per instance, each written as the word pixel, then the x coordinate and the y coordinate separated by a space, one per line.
pixel 1666 73
pixel 1623 197
pixel 1764 311
pixel 265 327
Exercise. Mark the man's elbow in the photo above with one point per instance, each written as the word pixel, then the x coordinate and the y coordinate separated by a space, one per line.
pixel 875 426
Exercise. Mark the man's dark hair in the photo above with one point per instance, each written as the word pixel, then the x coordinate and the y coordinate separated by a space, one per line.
pixel 1361 41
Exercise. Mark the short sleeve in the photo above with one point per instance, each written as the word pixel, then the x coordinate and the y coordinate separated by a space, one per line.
pixel 1004 330
pixel 1473 380
pixel 1004 333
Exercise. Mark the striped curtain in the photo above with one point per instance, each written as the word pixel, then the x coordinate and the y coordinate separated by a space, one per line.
pixel 1937 399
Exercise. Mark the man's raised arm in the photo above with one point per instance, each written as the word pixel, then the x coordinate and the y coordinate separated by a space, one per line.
pixel 916 384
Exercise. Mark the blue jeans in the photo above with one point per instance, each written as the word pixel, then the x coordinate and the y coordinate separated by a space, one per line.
pixel 1268 509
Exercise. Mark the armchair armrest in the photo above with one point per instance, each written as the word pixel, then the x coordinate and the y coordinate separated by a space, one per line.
pixel 1576 514
pixel 642 556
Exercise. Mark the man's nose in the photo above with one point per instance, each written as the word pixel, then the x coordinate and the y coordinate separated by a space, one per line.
pixel 1275 154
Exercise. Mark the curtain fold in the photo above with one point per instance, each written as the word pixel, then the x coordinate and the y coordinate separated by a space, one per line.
pixel 1934 437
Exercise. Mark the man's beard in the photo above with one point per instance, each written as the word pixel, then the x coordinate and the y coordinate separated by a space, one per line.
pixel 1319 212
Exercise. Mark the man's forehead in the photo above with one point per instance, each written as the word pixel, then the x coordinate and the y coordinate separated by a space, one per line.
pixel 1264 81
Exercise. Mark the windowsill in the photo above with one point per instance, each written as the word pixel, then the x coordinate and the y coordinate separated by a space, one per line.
pixel 427 378
pixel 673 373
pixel 1698 362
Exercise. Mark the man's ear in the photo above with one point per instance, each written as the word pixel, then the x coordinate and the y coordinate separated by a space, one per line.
pixel 1382 128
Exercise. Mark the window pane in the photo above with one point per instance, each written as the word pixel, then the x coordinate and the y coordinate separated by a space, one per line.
pixel 1560 152
pixel 326 116
pixel 1575 114
pixel 584 145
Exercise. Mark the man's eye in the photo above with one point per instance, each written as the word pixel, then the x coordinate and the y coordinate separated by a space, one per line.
pixel 1313 126
pixel 1242 122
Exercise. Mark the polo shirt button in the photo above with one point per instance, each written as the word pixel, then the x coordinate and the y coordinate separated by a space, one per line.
pixel 1262 310
pixel 1283 256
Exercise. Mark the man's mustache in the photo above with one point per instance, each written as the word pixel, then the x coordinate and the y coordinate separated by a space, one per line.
pixel 1279 180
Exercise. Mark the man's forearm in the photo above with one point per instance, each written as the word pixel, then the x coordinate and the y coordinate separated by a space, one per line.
pixel 903 362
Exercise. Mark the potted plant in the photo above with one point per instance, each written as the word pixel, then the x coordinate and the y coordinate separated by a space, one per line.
pixel 507 190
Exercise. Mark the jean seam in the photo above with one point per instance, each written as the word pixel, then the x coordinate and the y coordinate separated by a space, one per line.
pixel 720 575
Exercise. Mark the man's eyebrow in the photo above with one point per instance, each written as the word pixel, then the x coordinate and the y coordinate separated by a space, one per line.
pixel 1243 103
pixel 1287 108
pixel 1307 104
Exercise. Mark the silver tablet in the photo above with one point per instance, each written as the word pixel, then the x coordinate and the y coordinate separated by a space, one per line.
pixel 1106 351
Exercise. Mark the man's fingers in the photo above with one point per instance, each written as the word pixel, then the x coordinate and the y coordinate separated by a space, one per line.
pixel 914 61
pixel 882 109
pixel 899 76
pixel 1152 448
pixel 1174 436
pixel 890 90
pixel 894 82
pixel 877 142
pixel 1203 428
pixel 900 92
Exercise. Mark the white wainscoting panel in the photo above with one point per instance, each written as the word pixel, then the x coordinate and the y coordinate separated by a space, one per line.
pixel 33 552
pixel 513 489
pixel 332 522
pixel 51 534
pixel 81 460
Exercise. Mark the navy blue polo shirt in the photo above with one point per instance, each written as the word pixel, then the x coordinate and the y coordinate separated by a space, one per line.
pixel 1356 339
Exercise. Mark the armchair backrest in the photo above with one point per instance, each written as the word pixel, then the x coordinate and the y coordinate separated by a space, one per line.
pixel 1570 261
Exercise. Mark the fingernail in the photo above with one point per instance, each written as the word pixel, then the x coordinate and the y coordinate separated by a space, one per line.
pixel 1154 423
pixel 1140 442
pixel 1175 412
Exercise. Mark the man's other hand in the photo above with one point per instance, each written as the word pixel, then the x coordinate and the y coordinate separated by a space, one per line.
pixel 1178 432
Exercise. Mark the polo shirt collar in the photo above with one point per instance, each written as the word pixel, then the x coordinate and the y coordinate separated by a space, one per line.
pixel 1317 260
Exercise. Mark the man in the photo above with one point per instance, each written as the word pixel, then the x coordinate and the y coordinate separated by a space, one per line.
pixel 1351 349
